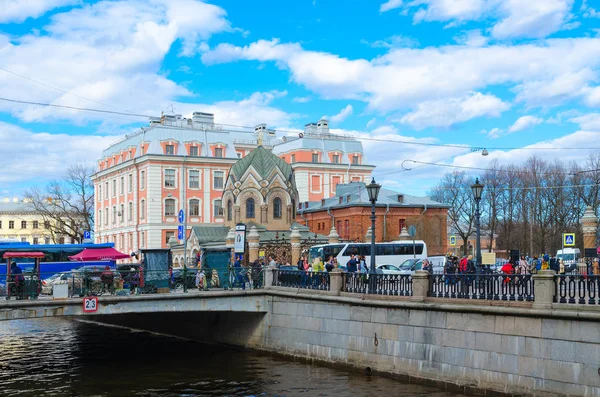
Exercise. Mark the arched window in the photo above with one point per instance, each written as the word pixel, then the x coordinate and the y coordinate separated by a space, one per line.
pixel 229 209
pixel 277 208
pixel 250 208
pixel 169 207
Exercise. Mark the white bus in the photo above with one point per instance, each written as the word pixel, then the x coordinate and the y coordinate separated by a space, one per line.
pixel 392 253
pixel 569 255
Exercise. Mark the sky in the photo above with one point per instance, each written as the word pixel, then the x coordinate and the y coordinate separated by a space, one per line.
pixel 515 77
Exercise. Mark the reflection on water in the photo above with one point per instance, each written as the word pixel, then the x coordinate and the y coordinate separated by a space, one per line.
pixel 61 357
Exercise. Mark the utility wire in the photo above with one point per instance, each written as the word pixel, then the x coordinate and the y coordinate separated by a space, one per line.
pixel 499 169
pixel 59 89
pixel 450 145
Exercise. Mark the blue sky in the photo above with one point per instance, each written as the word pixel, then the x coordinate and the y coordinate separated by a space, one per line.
pixel 516 77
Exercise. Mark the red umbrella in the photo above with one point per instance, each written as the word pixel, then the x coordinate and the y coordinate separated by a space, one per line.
pixel 98 254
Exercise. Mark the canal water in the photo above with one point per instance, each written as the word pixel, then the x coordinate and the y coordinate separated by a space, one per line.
pixel 64 357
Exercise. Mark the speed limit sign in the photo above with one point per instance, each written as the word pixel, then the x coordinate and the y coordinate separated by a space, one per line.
pixel 90 304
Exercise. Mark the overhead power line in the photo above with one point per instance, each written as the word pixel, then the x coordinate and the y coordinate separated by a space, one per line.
pixel 59 89
pixel 447 145
pixel 499 170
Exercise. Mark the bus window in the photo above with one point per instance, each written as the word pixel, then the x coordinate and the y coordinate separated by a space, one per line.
pixel 365 249
pixel 400 249
pixel 352 249
pixel 385 249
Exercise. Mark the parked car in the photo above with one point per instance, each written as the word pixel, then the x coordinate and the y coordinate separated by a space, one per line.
pixel 410 266
pixel 388 269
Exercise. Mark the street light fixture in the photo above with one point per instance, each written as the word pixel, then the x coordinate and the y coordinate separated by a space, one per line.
pixel 477 191
pixel 373 191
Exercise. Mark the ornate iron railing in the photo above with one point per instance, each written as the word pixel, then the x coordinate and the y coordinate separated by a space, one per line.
pixel 501 287
pixel 378 284
pixel 577 289
pixel 301 279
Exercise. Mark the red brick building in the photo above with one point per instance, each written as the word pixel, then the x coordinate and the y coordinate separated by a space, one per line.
pixel 350 212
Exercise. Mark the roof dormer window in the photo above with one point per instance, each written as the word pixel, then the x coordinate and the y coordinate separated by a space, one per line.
pixel 170 149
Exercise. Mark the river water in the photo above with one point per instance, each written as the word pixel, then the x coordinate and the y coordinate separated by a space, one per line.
pixel 64 357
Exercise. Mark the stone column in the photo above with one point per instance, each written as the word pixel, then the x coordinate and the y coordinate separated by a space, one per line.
pixel 336 281
pixel 253 244
pixel 270 274
pixel 589 223
pixel 263 213
pixel 236 214
pixel 229 242
pixel 420 285
pixel 333 237
pixel 543 285
pixel 295 240
pixel 368 235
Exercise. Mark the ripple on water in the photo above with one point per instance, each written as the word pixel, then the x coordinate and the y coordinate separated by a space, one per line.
pixel 61 357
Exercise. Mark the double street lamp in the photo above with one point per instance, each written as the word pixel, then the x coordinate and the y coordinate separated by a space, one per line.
pixel 477 191
pixel 373 191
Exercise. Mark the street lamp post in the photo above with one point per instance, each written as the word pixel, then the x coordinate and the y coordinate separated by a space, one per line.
pixel 373 191
pixel 477 190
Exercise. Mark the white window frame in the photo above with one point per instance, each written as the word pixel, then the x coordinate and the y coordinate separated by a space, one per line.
pixel 165 206
pixel 174 178
pixel 142 209
pixel 130 211
pixel 167 146
pixel 222 180
pixel 190 206
pixel 114 188
pixel 222 152
pixel 142 179
pixel 130 183
pixel 196 149
pixel 215 213
pixel 122 186
pixel 190 179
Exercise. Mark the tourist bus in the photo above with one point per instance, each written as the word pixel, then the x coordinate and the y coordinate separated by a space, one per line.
pixel 56 256
pixel 392 253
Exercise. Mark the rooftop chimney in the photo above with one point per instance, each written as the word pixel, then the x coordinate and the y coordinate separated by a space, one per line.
pixel 203 118
pixel 323 126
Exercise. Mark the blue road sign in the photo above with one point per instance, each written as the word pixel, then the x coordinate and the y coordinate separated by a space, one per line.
pixel 569 239
pixel 180 232
pixel 181 216
pixel 87 235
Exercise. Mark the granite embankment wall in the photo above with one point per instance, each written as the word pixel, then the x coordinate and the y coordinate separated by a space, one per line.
pixel 513 350
pixel 461 345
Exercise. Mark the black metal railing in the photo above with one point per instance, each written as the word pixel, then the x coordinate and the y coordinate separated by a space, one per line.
pixel 301 279
pixel 378 284
pixel 577 289
pixel 500 287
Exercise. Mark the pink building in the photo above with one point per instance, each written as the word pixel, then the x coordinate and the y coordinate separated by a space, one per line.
pixel 176 163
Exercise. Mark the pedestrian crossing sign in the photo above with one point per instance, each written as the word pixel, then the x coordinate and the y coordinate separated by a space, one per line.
pixel 569 239
pixel 452 240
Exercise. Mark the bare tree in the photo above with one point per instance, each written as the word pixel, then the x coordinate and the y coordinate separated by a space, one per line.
pixel 455 190
pixel 66 205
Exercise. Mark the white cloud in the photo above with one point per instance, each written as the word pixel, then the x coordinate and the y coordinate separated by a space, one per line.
pixel 48 155
pixel 472 38
pixel 592 96
pixel 110 52
pixel 343 114
pixel 589 121
pixel 446 112
pixel 535 19
pixel 524 123
pixel 493 133
pixel 393 42
pixel 390 5
pixel 516 18
pixel 589 12
pixel 20 10
pixel 554 90
pixel 406 76
pixel 302 99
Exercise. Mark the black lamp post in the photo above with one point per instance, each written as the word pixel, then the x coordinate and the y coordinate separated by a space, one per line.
pixel 477 190
pixel 373 191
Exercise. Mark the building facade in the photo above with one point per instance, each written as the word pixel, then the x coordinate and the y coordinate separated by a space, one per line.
pixel 19 221
pixel 350 212
pixel 176 163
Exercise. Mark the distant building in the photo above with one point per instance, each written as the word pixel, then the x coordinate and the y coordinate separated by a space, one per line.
pixel 176 163
pixel 458 247
pixel 20 222
pixel 350 212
